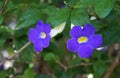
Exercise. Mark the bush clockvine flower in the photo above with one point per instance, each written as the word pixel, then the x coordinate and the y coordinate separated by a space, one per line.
pixel 83 40
pixel 39 36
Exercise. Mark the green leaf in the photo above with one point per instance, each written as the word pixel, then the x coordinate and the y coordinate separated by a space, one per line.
pixel 84 3
pixel 99 68
pixel 79 17
pixel 57 16
pixel 3 74
pixel 1 19
pixel 20 32
pixel 103 7
pixel 75 62
pixel 49 56
pixel 2 41
pixel 29 18
pixel 4 34
pixel 29 73
pixel 110 31
pixel 66 75
pixel 111 35
pixel 97 24
pixel 54 76
pixel 10 6
pixel 42 76
pixel 73 2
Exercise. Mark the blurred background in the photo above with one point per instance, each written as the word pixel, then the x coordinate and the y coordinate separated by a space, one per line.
pixel 17 58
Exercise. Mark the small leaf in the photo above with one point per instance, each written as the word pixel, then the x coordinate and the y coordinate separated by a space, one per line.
pixel 75 62
pixel 29 73
pixel 99 68
pixel 49 56
pixel 54 76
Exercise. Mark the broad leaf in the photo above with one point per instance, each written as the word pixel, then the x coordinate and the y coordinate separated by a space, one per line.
pixel 79 17
pixel 57 16
pixel 103 7
pixel 29 18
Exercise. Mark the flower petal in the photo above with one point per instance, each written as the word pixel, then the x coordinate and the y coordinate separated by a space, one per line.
pixel 76 32
pixel 84 51
pixel 72 45
pixel 47 28
pixel 46 42
pixel 95 41
pixel 40 26
pixel 32 35
pixel 88 30
pixel 38 46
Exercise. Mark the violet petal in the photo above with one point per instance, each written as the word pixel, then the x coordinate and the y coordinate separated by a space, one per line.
pixel 38 46
pixel 76 32
pixel 32 35
pixel 95 41
pixel 84 51
pixel 40 26
pixel 72 45
pixel 46 42
pixel 88 30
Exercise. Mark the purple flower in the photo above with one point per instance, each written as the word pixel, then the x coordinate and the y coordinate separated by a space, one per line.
pixel 83 40
pixel 39 36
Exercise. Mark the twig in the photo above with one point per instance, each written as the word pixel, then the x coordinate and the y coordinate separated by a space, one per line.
pixel 113 65
pixel 81 64
pixel 3 6
pixel 87 64
pixel 14 56
pixel 62 65
pixel 22 48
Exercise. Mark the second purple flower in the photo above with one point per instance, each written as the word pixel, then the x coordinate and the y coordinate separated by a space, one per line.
pixel 83 40
pixel 39 36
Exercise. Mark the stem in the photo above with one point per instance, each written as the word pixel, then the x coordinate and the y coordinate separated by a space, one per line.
pixel 3 6
pixel 112 66
pixel 21 49
pixel 62 65
pixel 81 64
pixel 86 64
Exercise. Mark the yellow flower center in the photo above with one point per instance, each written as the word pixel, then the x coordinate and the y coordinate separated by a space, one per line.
pixel 82 39
pixel 42 35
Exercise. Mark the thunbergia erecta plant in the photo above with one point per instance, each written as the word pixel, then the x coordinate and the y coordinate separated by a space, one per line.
pixel 39 36
pixel 83 40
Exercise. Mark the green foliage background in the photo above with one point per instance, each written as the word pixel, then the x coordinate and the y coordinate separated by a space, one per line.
pixel 25 14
